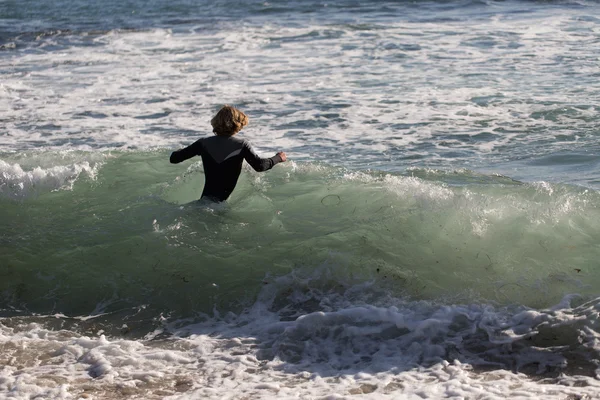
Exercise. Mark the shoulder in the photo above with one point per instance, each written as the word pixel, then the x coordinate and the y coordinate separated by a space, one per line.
pixel 238 142
pixel 197 146
pixel 243 142
pixel 236 139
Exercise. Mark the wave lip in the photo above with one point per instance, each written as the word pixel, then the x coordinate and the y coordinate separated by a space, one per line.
pixel 18 183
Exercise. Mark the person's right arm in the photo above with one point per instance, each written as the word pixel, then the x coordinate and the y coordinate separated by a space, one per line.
pixel 261 164
pixel 185 153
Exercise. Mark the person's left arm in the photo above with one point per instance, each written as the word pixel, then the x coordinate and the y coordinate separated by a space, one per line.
pixel 188 152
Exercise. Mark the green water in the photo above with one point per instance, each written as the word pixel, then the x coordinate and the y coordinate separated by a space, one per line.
pixel 127 234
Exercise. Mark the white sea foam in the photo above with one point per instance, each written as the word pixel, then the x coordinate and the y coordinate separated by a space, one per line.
pixel 408 350
pixel 400 86
pixel 36 177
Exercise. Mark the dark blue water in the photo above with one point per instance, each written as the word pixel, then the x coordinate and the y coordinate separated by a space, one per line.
pixel 32 20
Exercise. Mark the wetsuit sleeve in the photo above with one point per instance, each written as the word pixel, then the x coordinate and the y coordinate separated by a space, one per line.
pixel 188 152
pixel 259 164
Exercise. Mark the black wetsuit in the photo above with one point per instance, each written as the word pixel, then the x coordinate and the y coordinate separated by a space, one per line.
pixel 222 157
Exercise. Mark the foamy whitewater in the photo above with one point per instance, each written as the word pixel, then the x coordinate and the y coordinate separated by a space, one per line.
pixel 434 234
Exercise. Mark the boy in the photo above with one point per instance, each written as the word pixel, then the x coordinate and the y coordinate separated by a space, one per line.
pixel 223 154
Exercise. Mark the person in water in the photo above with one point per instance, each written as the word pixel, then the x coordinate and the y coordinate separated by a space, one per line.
pixel 223 154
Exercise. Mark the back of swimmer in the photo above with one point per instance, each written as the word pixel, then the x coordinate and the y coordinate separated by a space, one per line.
pixel 223 154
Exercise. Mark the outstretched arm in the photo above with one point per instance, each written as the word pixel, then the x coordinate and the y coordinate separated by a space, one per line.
pixel 185 153
pixel 261 164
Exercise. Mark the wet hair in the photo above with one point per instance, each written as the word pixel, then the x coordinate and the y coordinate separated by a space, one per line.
pixel 228 121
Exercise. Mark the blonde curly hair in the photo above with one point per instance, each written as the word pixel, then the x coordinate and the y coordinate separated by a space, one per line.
pixel 228 121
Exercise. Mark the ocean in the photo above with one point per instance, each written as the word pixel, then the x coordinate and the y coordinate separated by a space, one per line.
pixel 435 232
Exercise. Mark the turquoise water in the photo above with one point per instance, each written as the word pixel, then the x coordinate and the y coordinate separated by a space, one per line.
pixel 129 232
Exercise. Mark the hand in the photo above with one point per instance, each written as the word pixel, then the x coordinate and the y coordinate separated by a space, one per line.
pixel 282 155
